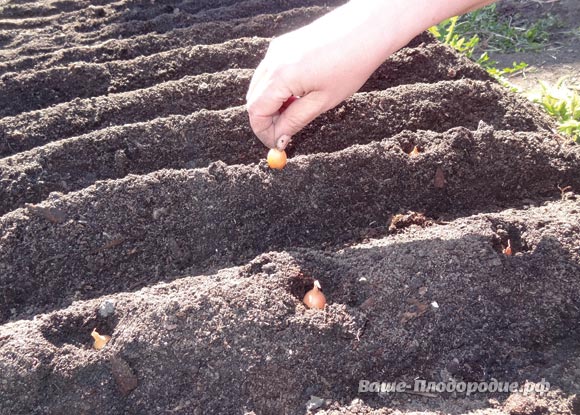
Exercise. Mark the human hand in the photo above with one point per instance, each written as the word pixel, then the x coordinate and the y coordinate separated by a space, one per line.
pixel 322 64
pixel 328 60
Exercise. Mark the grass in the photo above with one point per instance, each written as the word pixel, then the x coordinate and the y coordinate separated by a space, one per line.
pixel 561 102
pixel 506 34
pixel 446 32
pixel 484 31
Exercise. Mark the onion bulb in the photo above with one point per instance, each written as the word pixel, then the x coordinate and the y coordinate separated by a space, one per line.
pixel 508 249
pixel 315 298
pixel 100 340
pixel 276 158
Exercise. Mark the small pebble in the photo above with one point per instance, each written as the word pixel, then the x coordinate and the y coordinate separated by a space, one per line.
pixel 357 402
pixel 269 268
pixel 314 403
pixel 107 308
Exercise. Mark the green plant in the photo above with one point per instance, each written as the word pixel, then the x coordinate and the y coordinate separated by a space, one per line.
pixel 446 33
pixel 505 34
pixel 500 74
pixel 465 33
pixel 561 102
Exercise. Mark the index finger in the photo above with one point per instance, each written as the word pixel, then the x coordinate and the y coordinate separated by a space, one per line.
pixel 263 105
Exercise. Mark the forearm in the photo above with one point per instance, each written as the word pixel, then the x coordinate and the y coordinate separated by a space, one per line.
pixel 410 16
pixel 384 26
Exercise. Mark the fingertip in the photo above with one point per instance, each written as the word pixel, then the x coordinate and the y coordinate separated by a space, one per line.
pixel 283 141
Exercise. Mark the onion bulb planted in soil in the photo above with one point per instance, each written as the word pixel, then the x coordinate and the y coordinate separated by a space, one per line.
pixel 315 298
pixel 100 340
pixel 508 249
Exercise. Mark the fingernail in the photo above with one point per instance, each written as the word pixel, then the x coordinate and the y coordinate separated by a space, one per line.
pixel 283 142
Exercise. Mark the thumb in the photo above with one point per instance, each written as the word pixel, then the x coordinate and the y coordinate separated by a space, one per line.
pixel 296 116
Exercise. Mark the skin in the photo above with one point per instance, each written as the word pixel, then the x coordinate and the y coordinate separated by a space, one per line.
pixel 328 60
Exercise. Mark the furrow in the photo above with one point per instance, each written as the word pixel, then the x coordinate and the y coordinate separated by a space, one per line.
pixel 69 19
pixel 184 141
pixel 90 16
pixel 33 90
pixel 189 94
pixel 184 15
pixel 428 61
pixel 267 25
pixel 147 13
pixel 98 24
pixel 121 233
pixel 435 104
pixel 484 302
pixel 28 9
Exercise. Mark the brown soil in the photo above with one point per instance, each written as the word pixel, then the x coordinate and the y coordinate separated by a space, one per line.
pixel 129 175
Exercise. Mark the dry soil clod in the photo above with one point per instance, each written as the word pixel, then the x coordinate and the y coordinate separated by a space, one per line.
pixel 124 376
pixel 401 221
pixel 53 215
pixel 439 180
pixel 418 309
